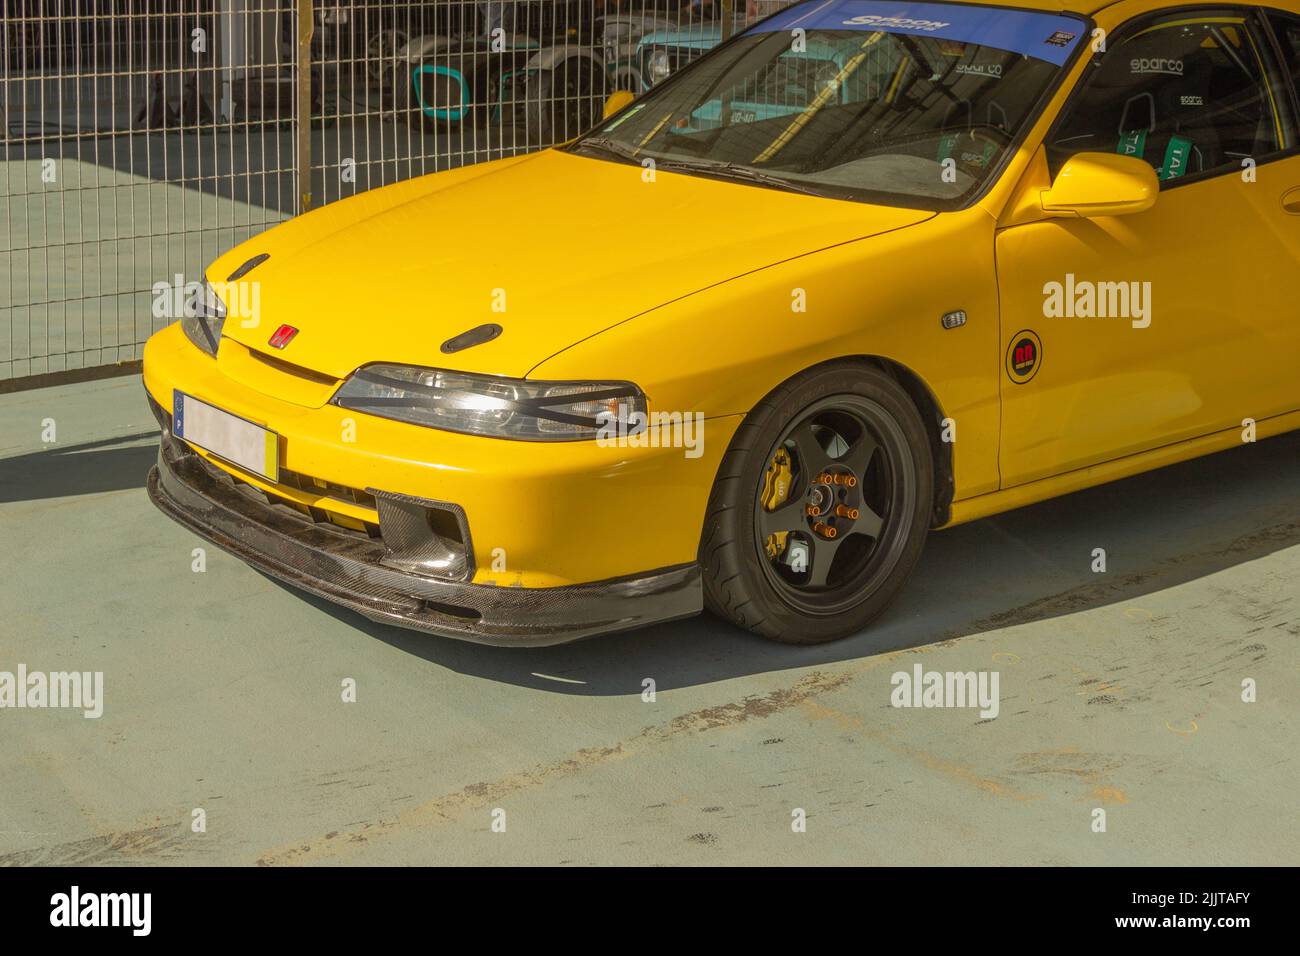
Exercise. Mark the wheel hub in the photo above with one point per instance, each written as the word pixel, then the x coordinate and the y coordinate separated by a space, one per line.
pixel 824 504
pixel 831 502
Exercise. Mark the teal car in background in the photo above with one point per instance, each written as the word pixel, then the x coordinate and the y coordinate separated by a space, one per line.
pixel 555 90
pixel 664 52
pixel 535 64
pixel 788 87
pixel 838 71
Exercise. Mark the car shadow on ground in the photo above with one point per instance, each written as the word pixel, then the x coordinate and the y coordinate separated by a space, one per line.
pixel 1158 530
pixel 112 464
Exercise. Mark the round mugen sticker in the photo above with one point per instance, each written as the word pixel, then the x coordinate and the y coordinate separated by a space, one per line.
pixel 1024 355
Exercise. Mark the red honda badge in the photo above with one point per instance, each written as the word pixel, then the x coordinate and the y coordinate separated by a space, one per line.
pixel 282 336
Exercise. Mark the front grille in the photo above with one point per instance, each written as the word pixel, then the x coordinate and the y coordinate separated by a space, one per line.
pixel 681 56
pixel 419 536
pixel 294 480
pixel 315 486
pixel 343 524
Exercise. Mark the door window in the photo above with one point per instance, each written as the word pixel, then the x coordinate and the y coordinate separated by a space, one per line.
pixel 1188 92
pixel 1287 30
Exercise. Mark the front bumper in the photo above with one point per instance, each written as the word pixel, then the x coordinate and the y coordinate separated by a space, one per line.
pixel 542 514
pixel 345 569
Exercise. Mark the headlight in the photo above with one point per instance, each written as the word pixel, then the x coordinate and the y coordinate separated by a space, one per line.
pixel 660 66
pixel 203 317
pixel 501 407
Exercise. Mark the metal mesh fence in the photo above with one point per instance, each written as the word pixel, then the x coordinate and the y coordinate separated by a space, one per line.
pixel 143 138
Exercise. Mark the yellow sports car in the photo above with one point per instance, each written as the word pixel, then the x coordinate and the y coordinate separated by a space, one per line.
pixel 901 265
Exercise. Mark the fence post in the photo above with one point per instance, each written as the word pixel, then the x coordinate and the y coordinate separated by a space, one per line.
pixel 728 18
pixel 306 22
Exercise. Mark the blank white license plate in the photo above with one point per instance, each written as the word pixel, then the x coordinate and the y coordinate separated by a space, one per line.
pixel 227 436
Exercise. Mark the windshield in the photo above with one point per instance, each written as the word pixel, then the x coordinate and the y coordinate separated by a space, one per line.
pixel 907 104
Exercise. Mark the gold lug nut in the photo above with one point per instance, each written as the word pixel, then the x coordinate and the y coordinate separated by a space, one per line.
pixel 848 481
pixel 825 530
pixel 825 478
pixel 844 512
pixel 813 511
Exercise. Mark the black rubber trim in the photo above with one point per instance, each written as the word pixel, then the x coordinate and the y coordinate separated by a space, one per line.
pixel 347 570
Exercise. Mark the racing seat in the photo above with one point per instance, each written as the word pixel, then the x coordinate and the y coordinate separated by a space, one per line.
pixel 1158 97
pixel 962 113
pixel 1171 125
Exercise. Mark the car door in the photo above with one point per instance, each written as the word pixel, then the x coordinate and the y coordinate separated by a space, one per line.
pixel 1285 213
pixel 1125 333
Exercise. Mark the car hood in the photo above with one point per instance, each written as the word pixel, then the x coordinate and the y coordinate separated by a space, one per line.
pixel 553 247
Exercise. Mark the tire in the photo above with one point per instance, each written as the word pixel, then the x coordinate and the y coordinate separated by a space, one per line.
pixel 381 52
pixel 405 103
pixel 831 422
pixel 561 103
pixel 419 121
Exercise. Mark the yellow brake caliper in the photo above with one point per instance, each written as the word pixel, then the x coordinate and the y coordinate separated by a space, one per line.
pixel 776 489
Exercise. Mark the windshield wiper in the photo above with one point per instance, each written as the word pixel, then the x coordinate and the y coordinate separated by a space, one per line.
pixel 739 173
pixel 613 147
pixel 722 170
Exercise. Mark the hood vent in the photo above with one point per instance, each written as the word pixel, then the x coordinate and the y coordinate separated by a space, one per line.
pixel 249 266
pixel 475 336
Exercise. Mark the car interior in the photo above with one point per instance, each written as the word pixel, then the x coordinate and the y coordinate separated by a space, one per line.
pixel 1185 97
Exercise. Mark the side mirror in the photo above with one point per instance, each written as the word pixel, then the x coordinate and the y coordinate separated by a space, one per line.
pixel 1101 184
pixel 617 100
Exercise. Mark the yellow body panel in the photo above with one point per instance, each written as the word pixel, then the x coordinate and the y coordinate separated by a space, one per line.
pixel 881 296
pixel 378 278
pixel 708 295
pixel 559 513
pixel 1221 257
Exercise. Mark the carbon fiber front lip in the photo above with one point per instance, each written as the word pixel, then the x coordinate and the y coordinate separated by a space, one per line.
pixel 345 570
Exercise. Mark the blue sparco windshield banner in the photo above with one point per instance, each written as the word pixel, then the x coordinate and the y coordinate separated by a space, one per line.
pixel 1044 36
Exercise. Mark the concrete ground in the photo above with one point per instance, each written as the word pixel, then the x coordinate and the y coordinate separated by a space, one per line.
pixel 1120 691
